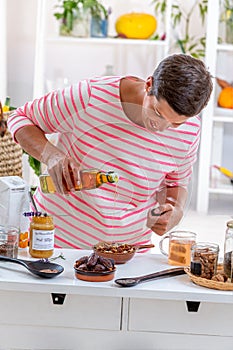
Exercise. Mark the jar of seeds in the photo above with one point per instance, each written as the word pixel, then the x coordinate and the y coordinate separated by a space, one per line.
pixel 228 250
pixel 204 259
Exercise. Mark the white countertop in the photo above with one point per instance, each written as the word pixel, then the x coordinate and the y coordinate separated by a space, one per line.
pixel 15 277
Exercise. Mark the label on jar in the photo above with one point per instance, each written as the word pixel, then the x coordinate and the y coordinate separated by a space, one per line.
pixel 42 239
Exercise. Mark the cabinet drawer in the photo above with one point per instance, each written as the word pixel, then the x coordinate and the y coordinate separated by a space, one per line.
pixel 77 311
pixel 173 317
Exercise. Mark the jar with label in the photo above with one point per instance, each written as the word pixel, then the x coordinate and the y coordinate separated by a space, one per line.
pixel 204 259
pixel 41 244
pixel 228 250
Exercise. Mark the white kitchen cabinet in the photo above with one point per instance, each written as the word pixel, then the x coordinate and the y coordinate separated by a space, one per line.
pixel 64 313
pixel 215 121
pixel 63 60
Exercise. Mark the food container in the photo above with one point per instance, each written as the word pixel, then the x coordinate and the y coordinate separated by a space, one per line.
pixel 94 268
pixel 41 244
pixel 9 240
pixel 228 251
pixel 204 259
pixel 92 276
pixel 119 252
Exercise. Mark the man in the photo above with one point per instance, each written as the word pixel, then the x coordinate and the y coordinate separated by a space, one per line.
pixel 146 131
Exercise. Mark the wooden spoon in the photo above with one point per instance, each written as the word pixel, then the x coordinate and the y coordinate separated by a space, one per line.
pixel 40 268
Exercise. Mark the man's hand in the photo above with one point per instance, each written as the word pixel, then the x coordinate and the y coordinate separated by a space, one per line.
pixel 63 169
pixel 64 172
pixel 163 218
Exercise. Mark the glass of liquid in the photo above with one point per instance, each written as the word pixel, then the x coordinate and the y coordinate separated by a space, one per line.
pixel 179 249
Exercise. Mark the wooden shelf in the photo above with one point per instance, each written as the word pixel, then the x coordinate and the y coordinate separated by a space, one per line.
pixel 213 117
pixel 223 115
pixel 225 47
pixel 226 190
pixel 104 41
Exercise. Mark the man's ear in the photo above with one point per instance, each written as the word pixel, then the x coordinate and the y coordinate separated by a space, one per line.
pixel 149 84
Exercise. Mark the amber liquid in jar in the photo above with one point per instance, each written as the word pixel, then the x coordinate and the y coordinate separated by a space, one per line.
pixel 41 244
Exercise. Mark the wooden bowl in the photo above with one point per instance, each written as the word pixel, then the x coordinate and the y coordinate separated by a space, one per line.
pixel 119 252
pixel 92 276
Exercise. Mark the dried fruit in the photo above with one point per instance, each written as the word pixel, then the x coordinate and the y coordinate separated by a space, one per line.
pixel 94 263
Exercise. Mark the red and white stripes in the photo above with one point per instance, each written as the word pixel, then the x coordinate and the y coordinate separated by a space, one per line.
pixel 93 128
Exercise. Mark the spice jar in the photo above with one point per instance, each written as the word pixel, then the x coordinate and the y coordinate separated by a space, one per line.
pixel 204 259
pixel 41 244
pixel 228 250
pixel 9 240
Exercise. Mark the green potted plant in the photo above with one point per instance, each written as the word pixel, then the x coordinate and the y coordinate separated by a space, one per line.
pixel 75 16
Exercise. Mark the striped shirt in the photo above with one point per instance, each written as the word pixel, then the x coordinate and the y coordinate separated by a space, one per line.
pixel 93 129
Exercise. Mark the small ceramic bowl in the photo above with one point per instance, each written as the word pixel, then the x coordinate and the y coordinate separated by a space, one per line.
pixel 119 252
pixel 92 276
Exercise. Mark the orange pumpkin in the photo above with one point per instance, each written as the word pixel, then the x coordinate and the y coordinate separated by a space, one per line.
pixel 225 98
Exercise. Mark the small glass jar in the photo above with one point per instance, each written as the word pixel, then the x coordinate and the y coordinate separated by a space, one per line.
pixel 204 259
pixel 9 241
pixel 228 250
pixel 41 244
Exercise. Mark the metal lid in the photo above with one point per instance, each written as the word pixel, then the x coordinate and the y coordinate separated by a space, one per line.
pixel 230 224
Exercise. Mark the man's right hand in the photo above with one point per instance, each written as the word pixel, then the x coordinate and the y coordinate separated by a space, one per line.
pixel 64 172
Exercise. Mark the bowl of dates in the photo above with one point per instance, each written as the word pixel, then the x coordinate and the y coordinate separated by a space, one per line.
pixel 94 268
pixel 119 252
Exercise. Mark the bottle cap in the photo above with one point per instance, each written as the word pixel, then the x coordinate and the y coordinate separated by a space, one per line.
pixel 230 224
pixel 112 176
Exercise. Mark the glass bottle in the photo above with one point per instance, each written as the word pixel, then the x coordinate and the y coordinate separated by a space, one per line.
pixel 90 179
pixel 228 250
pixel 41 244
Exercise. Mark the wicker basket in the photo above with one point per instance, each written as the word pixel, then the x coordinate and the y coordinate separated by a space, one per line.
pixel 10 151
pixel 204 282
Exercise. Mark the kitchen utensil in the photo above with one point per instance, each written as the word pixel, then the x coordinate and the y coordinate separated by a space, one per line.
pixel 119 252
pixel 40 268
pixel 33 202
pixel 132 281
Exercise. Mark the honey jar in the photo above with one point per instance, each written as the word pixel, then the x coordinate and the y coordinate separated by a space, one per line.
pixel 41 244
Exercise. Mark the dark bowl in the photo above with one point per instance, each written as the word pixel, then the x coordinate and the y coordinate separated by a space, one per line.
pixel 93 276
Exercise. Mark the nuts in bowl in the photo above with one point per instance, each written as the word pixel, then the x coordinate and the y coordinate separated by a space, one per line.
pixel 119 252
pixel 94 268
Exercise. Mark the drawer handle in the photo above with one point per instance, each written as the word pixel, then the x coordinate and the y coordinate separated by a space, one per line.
pixel 58 298
pixel 193 306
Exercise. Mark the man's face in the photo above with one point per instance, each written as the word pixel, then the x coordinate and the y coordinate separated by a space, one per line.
pixel 158 115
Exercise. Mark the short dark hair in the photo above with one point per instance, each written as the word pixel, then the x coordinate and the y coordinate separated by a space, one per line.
pixel 184 82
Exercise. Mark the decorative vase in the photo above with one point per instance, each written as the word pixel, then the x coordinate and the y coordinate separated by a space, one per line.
pixel 81 26
pixel 78 24
pixel 99 27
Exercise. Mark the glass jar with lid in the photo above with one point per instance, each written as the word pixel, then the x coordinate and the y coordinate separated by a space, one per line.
pixel 41 244
pixel 228 250
pixel 204 259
